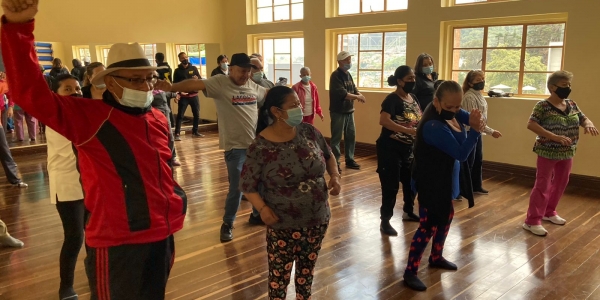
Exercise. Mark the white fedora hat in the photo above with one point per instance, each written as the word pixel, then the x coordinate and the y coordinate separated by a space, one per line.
pixel 125 56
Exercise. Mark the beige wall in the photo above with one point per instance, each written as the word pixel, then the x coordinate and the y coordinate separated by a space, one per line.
pixel 423 20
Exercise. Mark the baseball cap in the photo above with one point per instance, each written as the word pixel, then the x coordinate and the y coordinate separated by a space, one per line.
pixel 241 60
pixel 343 55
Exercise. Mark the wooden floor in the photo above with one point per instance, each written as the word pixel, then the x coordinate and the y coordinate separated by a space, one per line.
pixel 497 259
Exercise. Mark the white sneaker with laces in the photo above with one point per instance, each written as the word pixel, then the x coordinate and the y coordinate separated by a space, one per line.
pixel 555 219
pixel 536 229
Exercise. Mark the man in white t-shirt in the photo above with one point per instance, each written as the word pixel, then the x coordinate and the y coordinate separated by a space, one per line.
pixel 237 100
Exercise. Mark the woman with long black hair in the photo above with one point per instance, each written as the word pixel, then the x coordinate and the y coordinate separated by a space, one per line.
pixel 442 142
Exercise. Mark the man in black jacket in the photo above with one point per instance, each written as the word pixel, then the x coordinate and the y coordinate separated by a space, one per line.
pixel 166 73
pixel 184 71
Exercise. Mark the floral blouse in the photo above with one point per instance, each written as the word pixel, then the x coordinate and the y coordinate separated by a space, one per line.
pixel 290 178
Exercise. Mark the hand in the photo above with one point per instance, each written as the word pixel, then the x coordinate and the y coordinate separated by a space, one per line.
pixel 476 120
pixel 322 118
pixel 268 216
pixel 195 77
pixel 9 112
pixel 2 76
pixel 411 131
pixel 334 185
pixel 183 93
pixel 591 130
pixel 561 139
pixel 496 134
pixel 163 85
pixel 19 11
pixel 361 99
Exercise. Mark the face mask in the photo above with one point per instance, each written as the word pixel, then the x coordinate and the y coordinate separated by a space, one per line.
pixel 347 66
pixel 295 116
pixel 257 76
pixel 428 70
pixel 562 92
pixel 224 66
pixel 185 61
pixel 305 79
pixel 135 98
pixel 408 87
pixel 447 115
pixel 100 86
pixel 479 86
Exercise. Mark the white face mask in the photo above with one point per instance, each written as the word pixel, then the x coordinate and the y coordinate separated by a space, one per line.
pixel 135 98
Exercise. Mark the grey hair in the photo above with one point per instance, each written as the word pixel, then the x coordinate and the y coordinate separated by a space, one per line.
pixel 256 54
pixel 307 69
pixel 255 59
pixel 558 76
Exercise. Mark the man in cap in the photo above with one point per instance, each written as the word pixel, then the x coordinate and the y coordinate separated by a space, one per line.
pixel 237 99
pixel 342 93
pixel 132 202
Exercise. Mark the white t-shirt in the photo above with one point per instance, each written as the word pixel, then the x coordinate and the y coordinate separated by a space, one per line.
pixel 237 107
pixel 308 100
pixel 63 176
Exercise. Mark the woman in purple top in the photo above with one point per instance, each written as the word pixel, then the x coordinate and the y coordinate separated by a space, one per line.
pixel 284 177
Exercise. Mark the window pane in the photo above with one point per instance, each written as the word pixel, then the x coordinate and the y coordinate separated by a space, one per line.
pixel 468 38
pixel 467 59
pixel 372 5
pixel 498 80
pixel 543 59
pixel 468 1
pixel 282 12
pixel 297 1
pixel 370 60
pixel 503 59
pixel 535 84
pixel 545 35
pixel 298 11
pixel 263 3
pixel 349 7
pixel 397 4
pixel 370 79
pixel 282 61
pixel 298 51
pixel 279 2
pixel 505 36
pixel 265 15
pixel 282 73
pixel 282 46
pixel 459 76
pixel 267 53
pixel 394 52
pixel 350 43
pixel 371 41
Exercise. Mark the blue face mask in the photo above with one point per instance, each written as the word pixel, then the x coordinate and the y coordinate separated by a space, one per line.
pixel 224 66
pixel 347 66
pixel 428 70
pixel 306 79
pixel 257 76
pixel 295 116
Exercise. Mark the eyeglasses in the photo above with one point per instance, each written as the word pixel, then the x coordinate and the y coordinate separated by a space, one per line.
pixel 139 81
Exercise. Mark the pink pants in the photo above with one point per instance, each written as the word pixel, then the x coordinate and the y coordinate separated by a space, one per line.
pixel 32 126
pixel 309 119
pixel 551 180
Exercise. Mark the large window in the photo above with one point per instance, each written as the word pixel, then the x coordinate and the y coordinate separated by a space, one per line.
pixel 376 56
pixel 102 52
pixel 351 7
pixel 279 10
pixel 150 51
pixel 515 58
pixel 283 57
pixel 82 53
pixel 196 54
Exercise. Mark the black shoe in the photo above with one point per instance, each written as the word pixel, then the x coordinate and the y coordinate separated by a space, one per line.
pixel 67 294
pixel 352 165
pixel 177 138
pixel 339 169
pixel 226 232
pixel 410 216
pixel 481 191
pixel 386 228
pixel 442 263
pixel 197 134
pixel 413 282
pixel 255 220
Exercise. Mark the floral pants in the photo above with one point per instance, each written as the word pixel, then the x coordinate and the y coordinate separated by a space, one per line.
pixel 427 229
pixel 287 246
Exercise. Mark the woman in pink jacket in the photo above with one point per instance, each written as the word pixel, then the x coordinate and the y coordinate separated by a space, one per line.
pixel 309 96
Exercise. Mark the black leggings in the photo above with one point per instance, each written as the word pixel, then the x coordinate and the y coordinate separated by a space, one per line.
pixel 72 215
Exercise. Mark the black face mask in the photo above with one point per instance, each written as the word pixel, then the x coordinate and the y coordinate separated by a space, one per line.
pixel 408 87
pixel 76 95
pixel 185 61
pixel 562 92
pixel 447 115
pixel 479 86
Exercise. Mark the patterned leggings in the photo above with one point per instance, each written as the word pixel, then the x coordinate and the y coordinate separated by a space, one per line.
pixel 427 229
pixel 287 246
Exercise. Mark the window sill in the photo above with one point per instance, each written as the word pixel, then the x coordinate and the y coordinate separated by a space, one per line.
pixel 516 98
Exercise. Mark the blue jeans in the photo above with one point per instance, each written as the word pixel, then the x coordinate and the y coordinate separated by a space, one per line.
pixel 234 159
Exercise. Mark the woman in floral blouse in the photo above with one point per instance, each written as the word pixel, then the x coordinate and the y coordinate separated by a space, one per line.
pixel 283 177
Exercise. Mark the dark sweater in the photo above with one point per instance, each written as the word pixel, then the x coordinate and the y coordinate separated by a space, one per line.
pixel 340 84
pixel 182 73
pixel 424 88
pixel 165 73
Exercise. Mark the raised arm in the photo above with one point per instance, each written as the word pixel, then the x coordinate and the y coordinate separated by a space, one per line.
pixel 440 135
pixel 189 85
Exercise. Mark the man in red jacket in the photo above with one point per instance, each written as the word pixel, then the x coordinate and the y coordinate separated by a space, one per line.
pixel 133 203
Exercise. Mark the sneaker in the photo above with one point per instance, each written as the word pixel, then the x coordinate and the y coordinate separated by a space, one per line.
pixel 536 229
pixel 352 165
pixel 176 162
pixel 255 220
pixel 10 241
pixel 442 263
pixel 67 294
pixel 20 184
pixel 177 138
pixel 413 282
pixel 387 229
pixel 197 134
pixel 459 198
pixel 555 219
pixel 481 192
pixel 226 232
pixel 410 216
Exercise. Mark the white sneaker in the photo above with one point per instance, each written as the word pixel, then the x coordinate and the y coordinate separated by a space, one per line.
pixel 555 219
pixel 536 229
